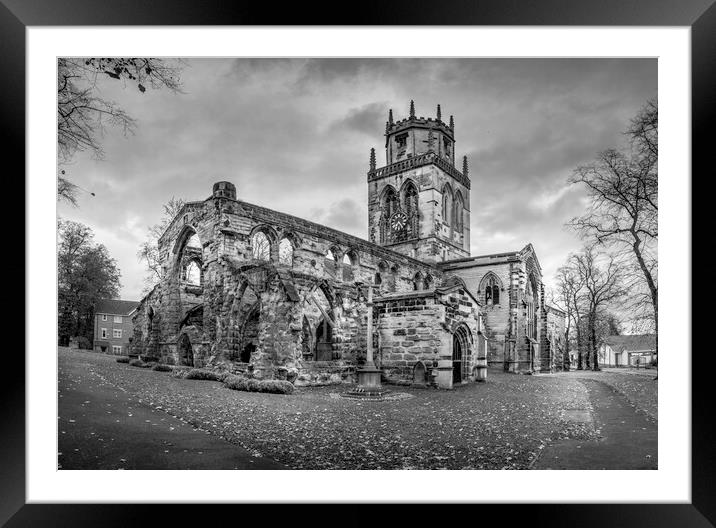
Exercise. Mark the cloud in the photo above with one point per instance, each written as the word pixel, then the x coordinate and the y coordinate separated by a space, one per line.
pixel 295 134
pixel 346 215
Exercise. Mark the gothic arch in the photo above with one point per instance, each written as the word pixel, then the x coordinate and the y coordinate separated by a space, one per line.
pixel 188 257
pixel 187 232
pixel 409 194
pixel 389 204
pixel 458 207
pixel 389 200
pixel 461 352
pixel 248 334
pixel 490 289
pixel 185 350
pixel 447 204
pixel 267 230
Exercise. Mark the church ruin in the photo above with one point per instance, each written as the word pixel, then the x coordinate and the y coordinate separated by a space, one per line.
pixel 269 295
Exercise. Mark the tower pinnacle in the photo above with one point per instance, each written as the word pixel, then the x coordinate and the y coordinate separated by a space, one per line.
pixel 372 159
pixel 439 114
pixel 412 109
pixel 464 166
pixel 452 123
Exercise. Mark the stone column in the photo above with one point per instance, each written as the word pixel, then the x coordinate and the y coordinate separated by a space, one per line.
pixel 368 375
pixel 369 342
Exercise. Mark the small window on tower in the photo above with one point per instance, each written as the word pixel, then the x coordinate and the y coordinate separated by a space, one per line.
pixel 447 146
pixel 401 143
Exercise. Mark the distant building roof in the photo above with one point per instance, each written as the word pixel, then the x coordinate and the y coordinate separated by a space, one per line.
pixel 115 306
pixel 632 343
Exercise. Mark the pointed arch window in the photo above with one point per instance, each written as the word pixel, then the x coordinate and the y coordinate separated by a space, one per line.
pixel 492 291
pixel 285 252
pixel 261 247
pixel 389 204
pixel 390 201
pixel 411 208
pixel 447 205
pixel 457 212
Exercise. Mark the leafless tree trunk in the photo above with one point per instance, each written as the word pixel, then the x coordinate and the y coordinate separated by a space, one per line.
pixel 623 187
pixel 603 286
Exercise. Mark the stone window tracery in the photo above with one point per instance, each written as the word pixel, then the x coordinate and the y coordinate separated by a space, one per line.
pixel 492 291
pixel 411 209
pixel 389 205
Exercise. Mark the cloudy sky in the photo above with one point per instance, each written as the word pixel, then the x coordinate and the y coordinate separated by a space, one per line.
pixel 295 134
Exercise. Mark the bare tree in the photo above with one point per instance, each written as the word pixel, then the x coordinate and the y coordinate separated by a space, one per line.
pixel 82 114
pixel 623 188
pixel 149 250
pixel 568 297
pixel 603 286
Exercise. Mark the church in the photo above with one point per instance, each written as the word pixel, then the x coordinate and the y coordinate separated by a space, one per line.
pixel 267 295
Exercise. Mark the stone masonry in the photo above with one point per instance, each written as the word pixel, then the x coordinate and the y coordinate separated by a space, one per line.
pixel 264 294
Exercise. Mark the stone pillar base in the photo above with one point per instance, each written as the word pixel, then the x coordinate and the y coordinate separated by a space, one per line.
pixel 369 386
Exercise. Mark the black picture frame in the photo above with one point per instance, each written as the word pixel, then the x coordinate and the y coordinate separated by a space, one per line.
pixel 699 15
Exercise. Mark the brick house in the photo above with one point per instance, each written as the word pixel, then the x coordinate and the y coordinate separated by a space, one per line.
pixel 113 326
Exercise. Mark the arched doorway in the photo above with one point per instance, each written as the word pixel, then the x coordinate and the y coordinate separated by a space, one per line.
pixel 457 356
pixel 324 340
pixel 250 334
pixel 186 352
pixel 461 353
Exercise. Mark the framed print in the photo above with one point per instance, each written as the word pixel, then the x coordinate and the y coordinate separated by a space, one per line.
pixel 294 272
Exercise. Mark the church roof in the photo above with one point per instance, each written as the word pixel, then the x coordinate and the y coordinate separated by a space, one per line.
pixel 632 343
pixel 492 258
pixel 115 307
pixel 451 284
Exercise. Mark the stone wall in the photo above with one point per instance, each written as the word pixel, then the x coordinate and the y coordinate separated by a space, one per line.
pixel 415 335
pixel 506 322
pixel 263 317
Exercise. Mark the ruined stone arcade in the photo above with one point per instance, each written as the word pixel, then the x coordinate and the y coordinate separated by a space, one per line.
pixel 265 294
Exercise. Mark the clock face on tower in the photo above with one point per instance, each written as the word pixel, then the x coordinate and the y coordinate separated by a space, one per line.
pixel 398 221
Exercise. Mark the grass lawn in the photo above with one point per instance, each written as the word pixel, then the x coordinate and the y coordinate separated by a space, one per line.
pixel 500 424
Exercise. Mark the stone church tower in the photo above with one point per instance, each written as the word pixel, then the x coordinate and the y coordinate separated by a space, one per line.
pixel 419 202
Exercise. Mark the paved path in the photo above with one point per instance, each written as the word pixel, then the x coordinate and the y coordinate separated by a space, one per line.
pixel 103 427
pixel 628 438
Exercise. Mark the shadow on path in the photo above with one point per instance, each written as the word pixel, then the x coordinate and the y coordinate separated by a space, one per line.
pixel 628 439
pixel 103 427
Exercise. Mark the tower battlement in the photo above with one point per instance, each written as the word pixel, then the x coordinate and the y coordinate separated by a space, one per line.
pixel 419 202
pixel 414 136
